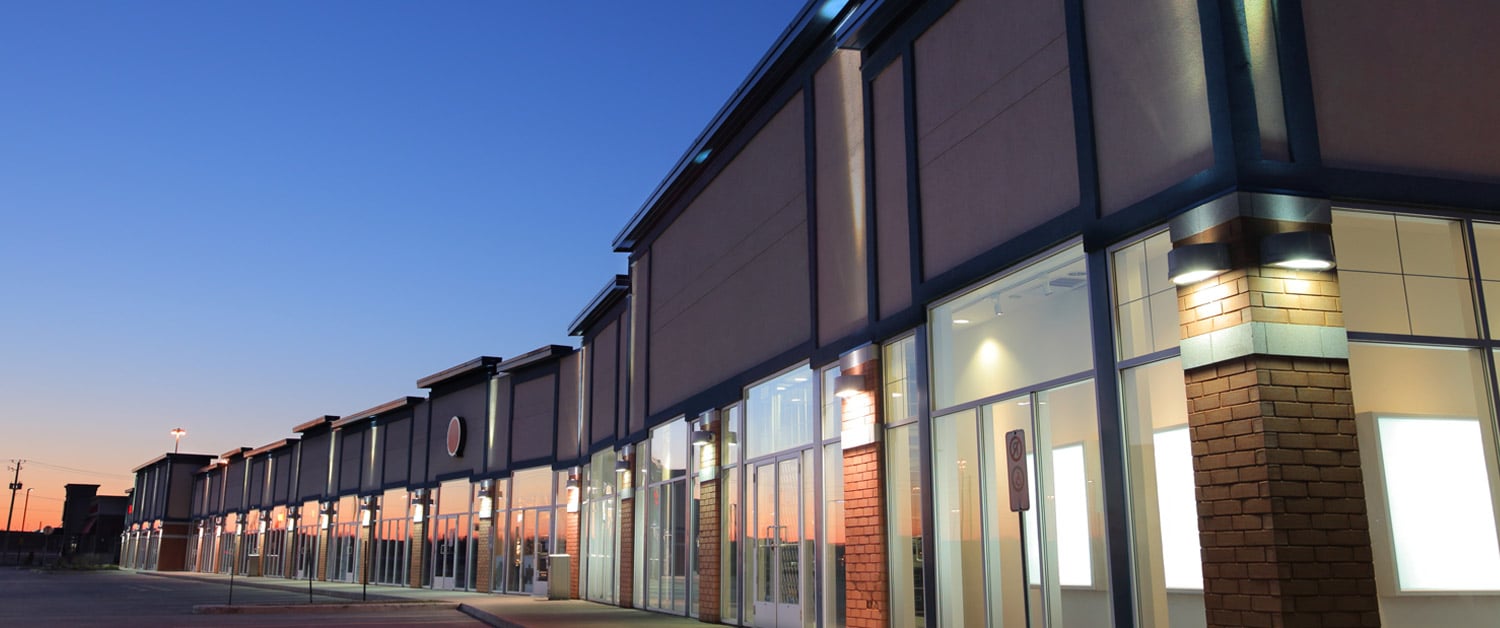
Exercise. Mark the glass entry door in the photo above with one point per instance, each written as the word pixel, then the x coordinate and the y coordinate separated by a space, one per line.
pixel 529 548
pixel 782 557
pixel 450 552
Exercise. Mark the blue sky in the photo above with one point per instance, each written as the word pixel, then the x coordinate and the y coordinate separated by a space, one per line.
pixel 235 216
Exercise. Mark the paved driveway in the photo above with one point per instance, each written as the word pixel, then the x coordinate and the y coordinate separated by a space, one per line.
pixel 115 598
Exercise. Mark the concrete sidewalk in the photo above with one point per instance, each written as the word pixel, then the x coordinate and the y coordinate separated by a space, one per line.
pixel 506 611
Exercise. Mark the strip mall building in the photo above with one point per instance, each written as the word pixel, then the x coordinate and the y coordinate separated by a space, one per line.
pixel 919 226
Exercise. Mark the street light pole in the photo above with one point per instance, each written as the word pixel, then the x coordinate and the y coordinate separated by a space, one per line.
pixel 177 434
pixel 15 485
pixel 24 507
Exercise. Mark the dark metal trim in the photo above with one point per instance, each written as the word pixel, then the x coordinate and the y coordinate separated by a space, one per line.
pixel 1112 442
pixel 1084 141
pixel 810 176
pixel 913 175
pixel 1296 84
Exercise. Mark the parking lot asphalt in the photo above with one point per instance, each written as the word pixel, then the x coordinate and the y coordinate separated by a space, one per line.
pixel 123 598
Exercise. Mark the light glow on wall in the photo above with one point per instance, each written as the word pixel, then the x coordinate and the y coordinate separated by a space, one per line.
pixel 1177 507
pixel 1438 498
pixel 1070 510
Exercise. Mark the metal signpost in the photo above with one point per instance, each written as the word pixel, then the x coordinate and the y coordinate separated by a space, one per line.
pixel 1020 502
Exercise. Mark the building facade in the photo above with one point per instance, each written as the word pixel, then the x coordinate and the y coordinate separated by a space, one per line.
pixel 989 312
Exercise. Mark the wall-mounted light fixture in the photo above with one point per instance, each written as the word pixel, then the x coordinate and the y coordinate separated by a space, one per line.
pixel 572 489
pixel 846 386
pixel 622 460
pixel 486 499
pixel 1191 263
pixel 418 499
pixel 366 510
pixel 702 433
pixel 1298 250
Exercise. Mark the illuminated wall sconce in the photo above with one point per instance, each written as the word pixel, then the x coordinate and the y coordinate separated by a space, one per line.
pixel 366 510
pixel 846 386
pixel 1191 263
pixel 418 499
pixel 486 499
pixel 325 515
pixel 622 460
pixel 573 490
pixel 1298 250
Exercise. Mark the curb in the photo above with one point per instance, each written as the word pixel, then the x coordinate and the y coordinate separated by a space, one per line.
pixel 487 617
pixel 269 609
pixel 268 586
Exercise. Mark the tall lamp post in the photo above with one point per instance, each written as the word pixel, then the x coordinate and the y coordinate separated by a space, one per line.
pixel 24 506
pixel 177 434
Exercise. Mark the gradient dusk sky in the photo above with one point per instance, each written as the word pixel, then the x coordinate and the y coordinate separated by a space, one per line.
pixel 233 217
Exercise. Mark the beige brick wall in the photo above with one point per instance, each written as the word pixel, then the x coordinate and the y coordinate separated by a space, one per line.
pixel 1281 503
pixel 627 553
pixel 708 551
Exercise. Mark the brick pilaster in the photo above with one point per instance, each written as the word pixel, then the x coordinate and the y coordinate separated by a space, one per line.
pixel 418 554
pixel 365 550
pixel 1282 516
pixel 867 597
pixel 571 537
pixel 484 574
pixel 708 550
pixel 325 543
pixel 627 553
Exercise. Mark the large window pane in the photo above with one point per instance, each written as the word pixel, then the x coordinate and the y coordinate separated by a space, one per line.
pixel 904 495
pixel 1145 300
pixel 1164 509
pixel 1030 326
pixel 1427 438
pixel 779 413
pixel 834 587
pixel 960 547
pixel 1404 274
pixel 1448 492
pixel 900 381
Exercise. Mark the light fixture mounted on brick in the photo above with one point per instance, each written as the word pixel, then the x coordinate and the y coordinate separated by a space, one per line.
pixel 1191 263
pixel 1298 250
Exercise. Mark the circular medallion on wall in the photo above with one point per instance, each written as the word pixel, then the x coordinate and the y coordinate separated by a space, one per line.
pixel 456 436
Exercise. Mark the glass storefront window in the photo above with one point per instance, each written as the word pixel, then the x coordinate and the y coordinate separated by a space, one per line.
pixel 1164 507
pixel 900 360
pixel 1426 430
pixel 1404 274
pixel 599 505
pixel 665 502
pixel 1145 300
pixel 779 413
pixel 834 606
pixel 904 493
pixel 1003 341
pixel 1027 327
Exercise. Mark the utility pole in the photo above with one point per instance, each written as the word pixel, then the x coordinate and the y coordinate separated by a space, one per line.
pixel 15 485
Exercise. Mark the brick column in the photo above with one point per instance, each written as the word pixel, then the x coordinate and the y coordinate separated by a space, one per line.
pixel 627 552
pixel 325 543
pixel 708 548
pixel 1281 503
pixel 867 601
pixel 484 576
pixel 418 553
pixel 571 537
pixel 366 551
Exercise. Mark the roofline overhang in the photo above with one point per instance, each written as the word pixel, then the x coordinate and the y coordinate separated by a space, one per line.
pixel 612 293
pixel 371 413
pixel 533 358
pixel 315 423
pixel 481 363
pixel 811 26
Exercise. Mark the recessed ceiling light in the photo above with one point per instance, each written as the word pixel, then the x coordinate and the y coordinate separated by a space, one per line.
pixel 960 321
